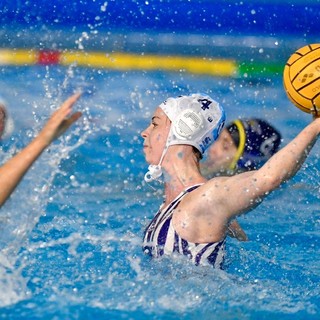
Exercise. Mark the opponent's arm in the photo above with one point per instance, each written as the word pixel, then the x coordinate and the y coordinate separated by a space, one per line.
pixel 14 169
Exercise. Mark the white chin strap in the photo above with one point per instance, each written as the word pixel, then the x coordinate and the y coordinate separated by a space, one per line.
pixel 155 171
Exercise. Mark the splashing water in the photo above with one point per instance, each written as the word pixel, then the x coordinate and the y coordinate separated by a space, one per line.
pixel 71 233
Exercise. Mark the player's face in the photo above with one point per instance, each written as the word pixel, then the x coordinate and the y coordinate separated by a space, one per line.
pixel 221 153
pixel 155 136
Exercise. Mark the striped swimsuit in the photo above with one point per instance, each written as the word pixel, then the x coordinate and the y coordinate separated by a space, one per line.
pixel 160 238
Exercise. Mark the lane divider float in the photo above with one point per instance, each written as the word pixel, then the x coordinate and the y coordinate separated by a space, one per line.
pixel 129 61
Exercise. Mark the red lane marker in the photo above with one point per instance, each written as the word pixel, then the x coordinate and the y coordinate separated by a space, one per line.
pixel 48 57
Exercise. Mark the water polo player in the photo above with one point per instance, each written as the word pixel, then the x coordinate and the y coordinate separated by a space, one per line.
pixel 194 217
pixel 244 144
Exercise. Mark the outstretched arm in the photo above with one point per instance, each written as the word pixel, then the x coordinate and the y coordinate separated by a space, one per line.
pixel 13 170
pixel 248 188
pixel 205 215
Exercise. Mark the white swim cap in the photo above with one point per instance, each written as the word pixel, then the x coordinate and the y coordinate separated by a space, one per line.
pixel 196 120
pixel 8 122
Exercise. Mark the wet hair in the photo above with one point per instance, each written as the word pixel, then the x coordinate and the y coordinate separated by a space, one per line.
pixel 197 153
pixel 234 132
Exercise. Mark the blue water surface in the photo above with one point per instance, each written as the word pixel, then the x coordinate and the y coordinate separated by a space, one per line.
pixel 71 234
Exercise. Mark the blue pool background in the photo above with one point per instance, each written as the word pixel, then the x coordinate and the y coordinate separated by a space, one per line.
pixel 71 233
pixel 255 30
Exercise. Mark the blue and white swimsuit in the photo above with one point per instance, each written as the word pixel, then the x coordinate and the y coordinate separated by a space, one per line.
pixel 160 238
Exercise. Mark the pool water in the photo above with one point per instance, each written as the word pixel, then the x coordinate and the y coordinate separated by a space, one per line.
pixel 71 234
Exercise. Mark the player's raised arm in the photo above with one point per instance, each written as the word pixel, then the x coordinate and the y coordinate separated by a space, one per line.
pixel 14 169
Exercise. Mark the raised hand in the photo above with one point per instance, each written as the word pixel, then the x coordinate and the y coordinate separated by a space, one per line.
pixel 14 169
pixel 60 120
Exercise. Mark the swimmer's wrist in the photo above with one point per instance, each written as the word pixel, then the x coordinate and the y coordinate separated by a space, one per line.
pixel 42 141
